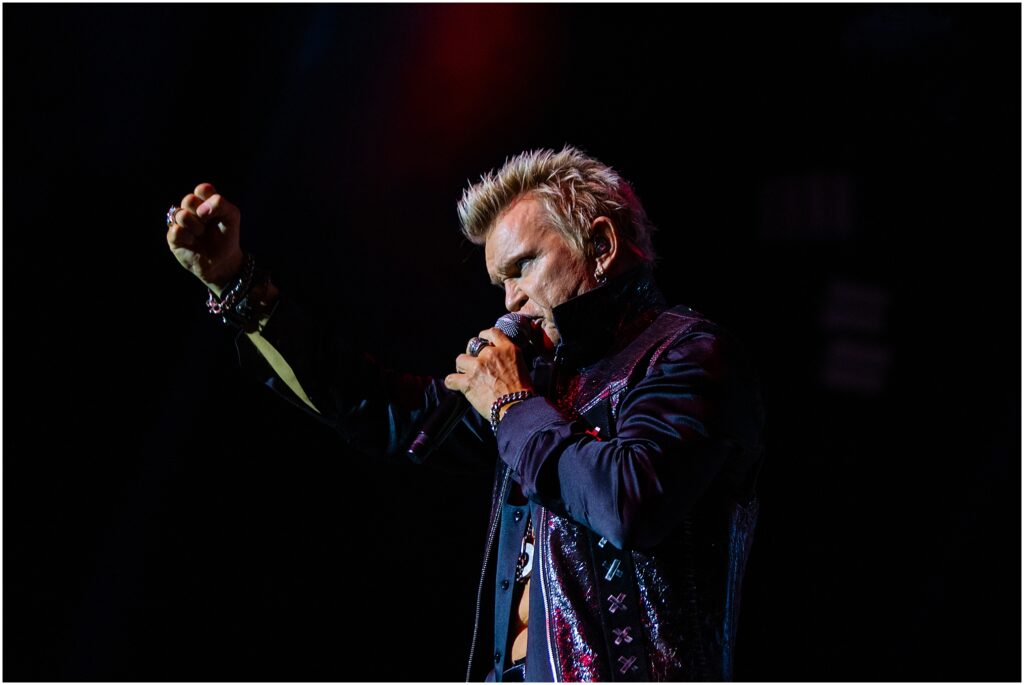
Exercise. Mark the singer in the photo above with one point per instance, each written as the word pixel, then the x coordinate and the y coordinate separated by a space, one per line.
pixel 626 433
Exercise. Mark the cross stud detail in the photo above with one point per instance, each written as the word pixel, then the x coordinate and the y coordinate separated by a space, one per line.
pixel 617 602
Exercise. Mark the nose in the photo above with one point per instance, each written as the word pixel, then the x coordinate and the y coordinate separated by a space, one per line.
pixel 514 297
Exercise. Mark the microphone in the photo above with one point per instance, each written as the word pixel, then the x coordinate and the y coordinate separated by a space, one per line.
pixel 440 422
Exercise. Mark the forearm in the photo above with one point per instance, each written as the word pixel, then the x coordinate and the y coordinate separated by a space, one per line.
pixel 316 366
pixel 691 420
pixel 630 489
pixel 266 297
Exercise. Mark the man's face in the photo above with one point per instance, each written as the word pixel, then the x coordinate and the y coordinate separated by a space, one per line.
pixel 535 266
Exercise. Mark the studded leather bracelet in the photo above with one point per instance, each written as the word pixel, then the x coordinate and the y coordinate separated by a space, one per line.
pixel 504 400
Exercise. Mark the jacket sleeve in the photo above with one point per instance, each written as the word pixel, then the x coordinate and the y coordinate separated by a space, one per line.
pixel 692 417
pixel 377 410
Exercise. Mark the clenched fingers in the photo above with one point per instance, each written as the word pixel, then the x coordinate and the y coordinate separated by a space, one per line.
pixel 465 366
pixel 191 202
pixel 187 218
pixel 457 381
pixel 205 191
pixel 466 363
pixel 179 236
pixel 495 335
pixel 216 208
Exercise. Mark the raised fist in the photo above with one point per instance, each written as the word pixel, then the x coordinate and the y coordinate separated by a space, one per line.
pixel 203 234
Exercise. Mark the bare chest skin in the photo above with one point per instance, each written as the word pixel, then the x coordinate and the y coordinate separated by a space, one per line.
pixel 521 600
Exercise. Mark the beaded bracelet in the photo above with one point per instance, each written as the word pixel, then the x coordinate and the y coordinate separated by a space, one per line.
pixel 507 399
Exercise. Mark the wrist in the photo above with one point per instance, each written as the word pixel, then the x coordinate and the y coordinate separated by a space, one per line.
pixel 505 408
pixel 246 302
pixel 225 278
pixel 500 405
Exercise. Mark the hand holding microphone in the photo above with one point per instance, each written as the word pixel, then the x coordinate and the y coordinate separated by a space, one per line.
pixel 494 365
pixel 498 368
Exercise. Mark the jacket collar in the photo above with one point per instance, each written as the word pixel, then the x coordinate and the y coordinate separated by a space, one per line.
pixel 603 320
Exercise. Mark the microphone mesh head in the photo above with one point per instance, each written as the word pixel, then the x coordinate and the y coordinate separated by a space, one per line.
pixel 517 327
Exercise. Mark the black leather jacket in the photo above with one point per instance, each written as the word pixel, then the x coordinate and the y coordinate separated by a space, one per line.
pixel 639 462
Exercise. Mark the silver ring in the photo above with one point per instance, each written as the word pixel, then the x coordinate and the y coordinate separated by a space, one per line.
pixel 170 215
pixel 476 345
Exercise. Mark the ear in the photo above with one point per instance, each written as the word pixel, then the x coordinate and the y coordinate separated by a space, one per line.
pixel 604 246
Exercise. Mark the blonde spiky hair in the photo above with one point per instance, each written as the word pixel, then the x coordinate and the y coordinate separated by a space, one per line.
pixel 573 188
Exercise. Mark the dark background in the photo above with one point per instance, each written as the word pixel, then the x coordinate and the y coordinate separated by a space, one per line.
pixel 840 185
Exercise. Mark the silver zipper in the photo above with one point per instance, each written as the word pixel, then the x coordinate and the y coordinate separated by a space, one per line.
pixel 483 571
pixel 543 545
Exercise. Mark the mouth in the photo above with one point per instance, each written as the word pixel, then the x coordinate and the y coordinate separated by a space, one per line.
pixel 539 332
pixel 545 335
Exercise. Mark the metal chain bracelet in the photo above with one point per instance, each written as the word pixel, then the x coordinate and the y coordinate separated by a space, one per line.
pixel 234 306
pixel 507 399
pixel 238 287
